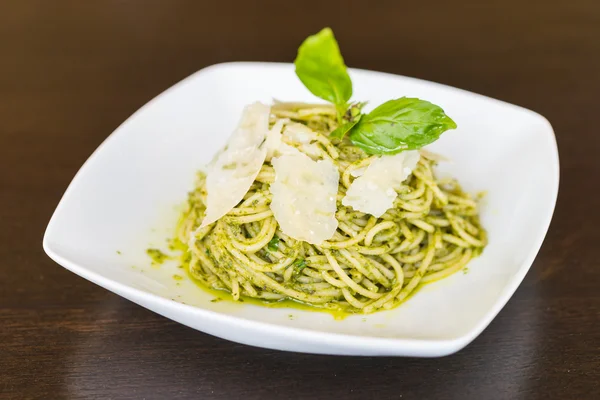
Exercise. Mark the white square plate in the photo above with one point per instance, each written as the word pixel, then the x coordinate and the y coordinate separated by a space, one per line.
pixel 124 200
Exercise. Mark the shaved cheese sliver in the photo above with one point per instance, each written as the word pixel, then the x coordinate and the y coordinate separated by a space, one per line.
pixel 274 139
pixel 230 175
pixel 374 191
pixel 304 196
pixel 299 133
pixel 305 138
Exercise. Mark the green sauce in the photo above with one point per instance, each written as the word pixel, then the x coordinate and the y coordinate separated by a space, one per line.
pixel 339 313
pixel 222 295
pixel 176 244
pixel 157 256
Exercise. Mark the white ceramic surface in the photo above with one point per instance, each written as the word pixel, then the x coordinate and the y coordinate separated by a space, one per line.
pixel 125 198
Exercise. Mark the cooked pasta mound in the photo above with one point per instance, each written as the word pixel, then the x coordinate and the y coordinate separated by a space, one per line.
pixel 369 264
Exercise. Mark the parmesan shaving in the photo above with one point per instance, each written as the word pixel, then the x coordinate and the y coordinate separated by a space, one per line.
pixel 231 173
pixel 304 196
pixel 374 190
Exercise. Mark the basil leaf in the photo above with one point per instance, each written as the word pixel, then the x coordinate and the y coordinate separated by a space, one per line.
pixel 401 124
pixel 298 265
pixel 341 130
pixel 273 244
pixel 321 68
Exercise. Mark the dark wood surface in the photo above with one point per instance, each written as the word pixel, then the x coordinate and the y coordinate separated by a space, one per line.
pixel 71 71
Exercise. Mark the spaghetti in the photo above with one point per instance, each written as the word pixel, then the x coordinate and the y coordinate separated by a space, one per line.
pixel 369 264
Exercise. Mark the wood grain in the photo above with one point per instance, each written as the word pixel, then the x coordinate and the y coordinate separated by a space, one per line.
pixel 71 71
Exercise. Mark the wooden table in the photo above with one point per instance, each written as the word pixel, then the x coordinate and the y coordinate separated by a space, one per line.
pixel 71 71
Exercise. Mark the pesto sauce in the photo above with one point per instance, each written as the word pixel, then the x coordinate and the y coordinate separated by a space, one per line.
pixel 176 244
pixel 223 295
pixel 338 313
pixel 157 256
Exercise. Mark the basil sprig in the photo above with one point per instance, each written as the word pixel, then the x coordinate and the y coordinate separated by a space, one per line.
pixel 394 126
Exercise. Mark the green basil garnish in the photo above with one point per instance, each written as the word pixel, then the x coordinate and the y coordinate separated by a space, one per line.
pixel 321 68
pixel 396 125
pixel 273 244
pixel 401 124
